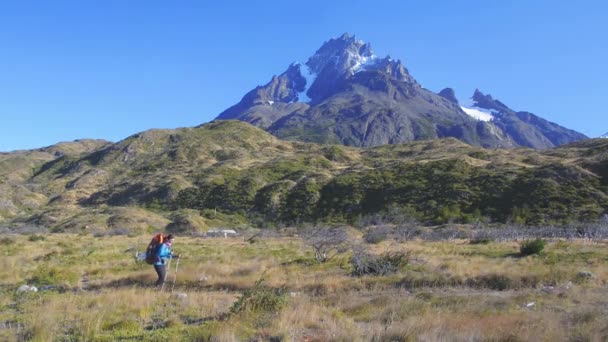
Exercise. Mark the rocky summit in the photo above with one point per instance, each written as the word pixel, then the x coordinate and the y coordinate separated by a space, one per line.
pixel 345 94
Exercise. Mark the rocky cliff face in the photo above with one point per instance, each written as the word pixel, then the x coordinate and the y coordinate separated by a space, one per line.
pixel 525 128
pixel 345 94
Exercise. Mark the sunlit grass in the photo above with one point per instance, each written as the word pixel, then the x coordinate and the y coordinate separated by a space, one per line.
pixel 450 290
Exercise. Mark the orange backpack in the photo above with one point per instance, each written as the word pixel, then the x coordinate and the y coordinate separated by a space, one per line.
pixel 152 250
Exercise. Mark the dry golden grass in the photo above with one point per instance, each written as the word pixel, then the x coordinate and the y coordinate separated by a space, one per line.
pixel 104 295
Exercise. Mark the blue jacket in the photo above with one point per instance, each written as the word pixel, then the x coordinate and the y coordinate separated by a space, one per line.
pixel 164 253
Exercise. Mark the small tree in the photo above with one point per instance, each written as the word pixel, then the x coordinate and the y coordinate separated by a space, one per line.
pixel 327 242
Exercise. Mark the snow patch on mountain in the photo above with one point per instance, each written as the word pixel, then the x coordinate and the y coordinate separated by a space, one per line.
pixel 479 113
pixel 605 136
pixel 310 77
pixel 361 62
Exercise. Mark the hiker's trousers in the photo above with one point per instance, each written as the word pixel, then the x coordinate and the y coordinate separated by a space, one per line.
pixel 161 270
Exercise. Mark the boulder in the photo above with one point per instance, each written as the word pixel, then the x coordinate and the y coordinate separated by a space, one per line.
pixel 27 288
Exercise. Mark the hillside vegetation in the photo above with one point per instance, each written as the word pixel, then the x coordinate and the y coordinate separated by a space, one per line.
pixel 231 173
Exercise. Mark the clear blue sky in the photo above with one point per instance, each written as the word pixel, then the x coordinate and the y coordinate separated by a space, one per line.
pixel 109 69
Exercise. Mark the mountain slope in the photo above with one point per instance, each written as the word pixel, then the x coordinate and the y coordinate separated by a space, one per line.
pixel 232 173
pixel 525 128
pixel 345 94
pixel 16 168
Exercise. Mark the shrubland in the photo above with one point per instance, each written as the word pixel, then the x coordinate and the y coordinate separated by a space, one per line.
pixel 229 173
pixel 273 289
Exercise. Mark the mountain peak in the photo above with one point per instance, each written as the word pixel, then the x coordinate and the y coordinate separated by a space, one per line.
pixel 347 36
pixel 487 102
pixel 449 94
pixel 343 54
pixel 345 94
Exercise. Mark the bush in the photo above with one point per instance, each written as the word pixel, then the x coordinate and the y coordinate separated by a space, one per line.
pixel 501 282
pixel 480 241
pixel 531 247
pixel 54 276
pixel 364 263
pixel 377 234
pixel 327 242
pixel 5 241
pixel 34 238
pixel 498 282
pixel 260 298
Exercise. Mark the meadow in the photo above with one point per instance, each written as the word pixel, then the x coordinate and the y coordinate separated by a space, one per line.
pixel 273 289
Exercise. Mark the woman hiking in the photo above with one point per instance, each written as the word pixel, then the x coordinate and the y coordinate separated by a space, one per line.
pixel 163 254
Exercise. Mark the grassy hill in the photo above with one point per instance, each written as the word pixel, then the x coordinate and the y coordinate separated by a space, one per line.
pixel 18 196
pixel 231 173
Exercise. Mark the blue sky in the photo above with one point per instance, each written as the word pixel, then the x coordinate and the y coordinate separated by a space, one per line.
pixel 109 69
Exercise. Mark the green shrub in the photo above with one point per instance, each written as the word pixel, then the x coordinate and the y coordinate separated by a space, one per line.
pixel 480 241
pixel 531 247
pixel 54 276
pixel 34 238
pixel 260 298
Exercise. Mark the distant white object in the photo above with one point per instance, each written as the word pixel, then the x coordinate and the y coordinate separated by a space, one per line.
pixel 141 256
pixel 221 233
pixel 531 304
pixel 180 295
pixel 27 288
pixel 479 113
pixel 271 102
pixel 361 62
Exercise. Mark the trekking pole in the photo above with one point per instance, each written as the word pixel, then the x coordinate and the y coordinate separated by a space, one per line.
pixel 175 277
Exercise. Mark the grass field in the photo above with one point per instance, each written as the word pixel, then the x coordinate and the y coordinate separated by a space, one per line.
pixel 448 291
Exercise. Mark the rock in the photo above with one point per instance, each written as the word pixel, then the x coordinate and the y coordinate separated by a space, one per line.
pixel 27 288
pixel 585 275
pixel 548 289
pixel 23 288
pixel 531 304
pixel 180 295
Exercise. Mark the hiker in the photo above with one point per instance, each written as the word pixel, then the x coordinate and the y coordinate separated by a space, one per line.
pixel 163 253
